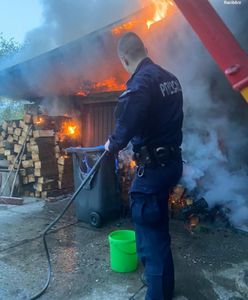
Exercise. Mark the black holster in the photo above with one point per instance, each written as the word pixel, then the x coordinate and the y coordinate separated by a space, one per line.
pixel 156 156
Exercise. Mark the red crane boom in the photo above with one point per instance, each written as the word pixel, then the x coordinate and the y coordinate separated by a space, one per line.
pixel 218 40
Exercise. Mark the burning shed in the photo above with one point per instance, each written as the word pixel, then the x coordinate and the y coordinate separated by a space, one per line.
pixel 74 90
pixel 81 77
pixel 85 66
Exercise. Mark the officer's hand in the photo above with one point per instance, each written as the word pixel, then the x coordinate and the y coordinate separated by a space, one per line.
pixel 106 146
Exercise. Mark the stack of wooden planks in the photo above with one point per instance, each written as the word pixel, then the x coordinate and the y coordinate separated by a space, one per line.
pixel 45 169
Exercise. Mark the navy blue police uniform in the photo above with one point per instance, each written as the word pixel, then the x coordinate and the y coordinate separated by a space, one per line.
pixel 150 115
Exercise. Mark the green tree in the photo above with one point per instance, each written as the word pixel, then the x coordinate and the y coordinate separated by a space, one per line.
pixel 8 47
pixel 9 109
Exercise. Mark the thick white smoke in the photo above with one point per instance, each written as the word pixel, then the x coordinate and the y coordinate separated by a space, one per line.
pixel 215 128
pixel 66 20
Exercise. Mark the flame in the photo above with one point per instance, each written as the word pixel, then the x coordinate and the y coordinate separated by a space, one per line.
pixel 69 129
pixel 72 130
pixel 123 27
pixel 81 93
pixel 108 85
pixel 39 120
pixel 161 11
pixel 132 164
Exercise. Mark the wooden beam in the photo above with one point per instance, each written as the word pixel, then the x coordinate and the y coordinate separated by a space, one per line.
pixel 11 200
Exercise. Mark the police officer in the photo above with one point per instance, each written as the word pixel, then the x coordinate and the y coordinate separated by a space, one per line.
pixel 149 114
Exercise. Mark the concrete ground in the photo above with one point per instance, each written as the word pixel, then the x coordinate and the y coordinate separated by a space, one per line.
pixel 210 264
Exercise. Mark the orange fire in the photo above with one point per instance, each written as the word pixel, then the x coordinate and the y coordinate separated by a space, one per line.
pixel 38 120
pixel 123 27
pixel 69 129
pixel 81 93
pixel 161 7
pixel 108 85
pixel 72 130
pixel 132 164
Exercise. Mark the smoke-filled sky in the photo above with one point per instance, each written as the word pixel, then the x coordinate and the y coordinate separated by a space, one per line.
pixel 18 17
pixel 44 25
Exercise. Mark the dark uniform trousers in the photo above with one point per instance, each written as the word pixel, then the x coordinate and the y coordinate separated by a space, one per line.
pixel 150 216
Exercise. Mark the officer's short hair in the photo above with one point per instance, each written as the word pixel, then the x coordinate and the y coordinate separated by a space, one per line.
pixel 131 45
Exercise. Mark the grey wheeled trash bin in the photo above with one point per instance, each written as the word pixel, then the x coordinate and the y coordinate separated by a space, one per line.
pixel 99 200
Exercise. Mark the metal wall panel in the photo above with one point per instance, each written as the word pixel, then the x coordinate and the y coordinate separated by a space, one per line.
pixel 97 123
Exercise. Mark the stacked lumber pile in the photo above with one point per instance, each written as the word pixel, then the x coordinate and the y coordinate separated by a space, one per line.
pixel 65 170
pixel 36 140
pixel 14 134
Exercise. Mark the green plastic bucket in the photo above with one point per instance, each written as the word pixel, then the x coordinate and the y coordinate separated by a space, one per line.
pixel 123 254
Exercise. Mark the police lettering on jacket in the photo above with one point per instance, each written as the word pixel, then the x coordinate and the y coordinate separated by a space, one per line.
pixel 150 111
pixel 170 87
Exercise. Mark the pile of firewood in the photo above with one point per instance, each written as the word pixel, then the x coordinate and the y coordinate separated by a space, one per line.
pixel 34 147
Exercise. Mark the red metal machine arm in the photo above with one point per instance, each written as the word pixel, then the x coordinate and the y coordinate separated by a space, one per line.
pixel 219 41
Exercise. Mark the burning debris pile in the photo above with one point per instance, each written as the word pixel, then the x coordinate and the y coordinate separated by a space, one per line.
pixel 183 205
pixel 34 147
pixel 194 211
